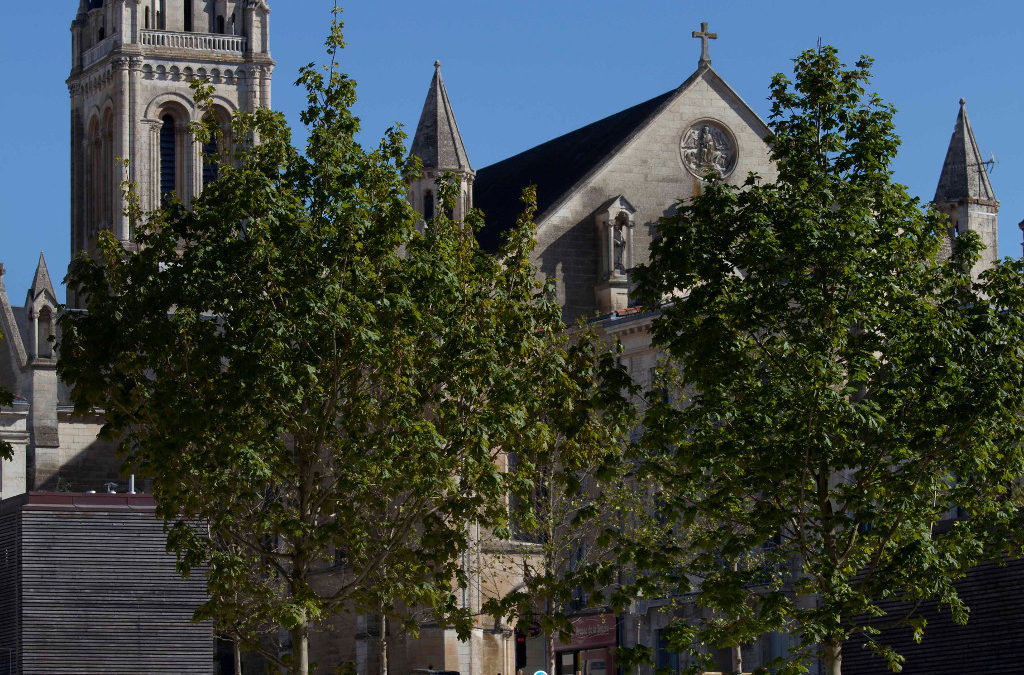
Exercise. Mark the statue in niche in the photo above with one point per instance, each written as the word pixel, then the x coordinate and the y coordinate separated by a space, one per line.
pixel 706 148
pixel 619 242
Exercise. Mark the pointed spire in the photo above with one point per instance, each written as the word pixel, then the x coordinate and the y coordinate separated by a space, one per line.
pixel 437 142
pixel 41 283
pixel 964 176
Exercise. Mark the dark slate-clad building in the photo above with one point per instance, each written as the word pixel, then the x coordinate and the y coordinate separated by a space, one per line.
pixel 86 586
pixel 992 641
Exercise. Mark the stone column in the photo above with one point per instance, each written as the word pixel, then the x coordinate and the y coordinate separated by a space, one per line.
pixel 122 142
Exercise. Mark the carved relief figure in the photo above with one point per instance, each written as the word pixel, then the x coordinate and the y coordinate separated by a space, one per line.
pixel 707 148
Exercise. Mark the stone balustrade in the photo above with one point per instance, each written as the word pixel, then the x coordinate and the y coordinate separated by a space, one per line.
pixel 197 41
pixel 97 52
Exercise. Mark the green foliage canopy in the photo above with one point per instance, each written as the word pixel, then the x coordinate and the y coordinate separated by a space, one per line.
pixel 843 385
pixel 327 386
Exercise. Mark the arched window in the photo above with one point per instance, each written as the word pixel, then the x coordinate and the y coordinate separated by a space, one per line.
pixel 147 19
pixel 188 16
pixel 168 156
pixel 428 205
pixel 108 171
pixel 44 329
pixel 102 33
pixel 94 180
pixel 219 142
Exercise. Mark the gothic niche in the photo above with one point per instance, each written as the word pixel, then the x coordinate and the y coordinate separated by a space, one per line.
pixel 615 221
pixel 708 147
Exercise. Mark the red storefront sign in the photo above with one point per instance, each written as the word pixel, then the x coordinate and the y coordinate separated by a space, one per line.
pixel 592 630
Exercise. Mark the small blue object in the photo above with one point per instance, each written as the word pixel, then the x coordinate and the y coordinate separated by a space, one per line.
pixel 540 672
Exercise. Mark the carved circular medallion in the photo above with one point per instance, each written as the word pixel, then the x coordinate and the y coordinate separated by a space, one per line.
pixel 708 147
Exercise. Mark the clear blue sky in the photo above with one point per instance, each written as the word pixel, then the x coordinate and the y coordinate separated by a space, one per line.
pixel 519 73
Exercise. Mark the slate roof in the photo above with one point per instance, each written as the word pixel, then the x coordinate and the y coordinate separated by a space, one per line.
pixel 991 642
pixel 438 142
pixel 555 167
pixel 964 176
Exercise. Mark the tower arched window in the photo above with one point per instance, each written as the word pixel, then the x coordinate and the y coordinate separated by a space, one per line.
pixel 188 16
pixel 148 24
pixel 94 173
pixel 44 329
pixel 107 171
pixel 219 143
pixel 168 156
pixel 428 205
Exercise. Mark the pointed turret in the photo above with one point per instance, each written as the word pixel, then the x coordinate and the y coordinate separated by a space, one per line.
pixel 964 175
pixel 437 142
pixel 439 146
pixel 42 288
pixel 965 193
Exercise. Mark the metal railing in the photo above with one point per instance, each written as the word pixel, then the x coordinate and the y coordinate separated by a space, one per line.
pixel 98 51
pixel 199 41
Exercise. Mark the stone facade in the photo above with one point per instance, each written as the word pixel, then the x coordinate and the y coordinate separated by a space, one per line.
pixel 132 65
pixel 601 190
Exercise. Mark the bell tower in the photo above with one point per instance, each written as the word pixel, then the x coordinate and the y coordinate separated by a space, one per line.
pixel 965 193
pixel 131 65
pixel 439 146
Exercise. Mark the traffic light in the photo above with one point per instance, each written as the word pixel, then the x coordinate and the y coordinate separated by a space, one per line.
pixel 520 649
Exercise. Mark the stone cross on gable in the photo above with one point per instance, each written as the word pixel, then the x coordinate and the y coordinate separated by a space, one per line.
pixel 704 35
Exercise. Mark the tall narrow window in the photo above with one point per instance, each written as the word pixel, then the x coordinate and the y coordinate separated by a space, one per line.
pixel 147 19
pixel 168 157
pixel 161 16
pixel 220 24
pixel 44 349
pixel 107 172
pixel 94 189
pixel 188 16
pixel 428 205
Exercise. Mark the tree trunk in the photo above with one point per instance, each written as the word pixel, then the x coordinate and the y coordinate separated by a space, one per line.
pixel 300 650
pixel 834 658
pixel 737 660
pixel 236 649
pixel 383 644
pixel 549 651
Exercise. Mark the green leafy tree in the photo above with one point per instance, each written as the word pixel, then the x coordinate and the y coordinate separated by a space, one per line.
pixel 844 384
pixel 571 489
pixel 323 385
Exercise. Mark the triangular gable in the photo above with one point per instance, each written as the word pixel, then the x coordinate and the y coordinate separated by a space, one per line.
pixel 563 165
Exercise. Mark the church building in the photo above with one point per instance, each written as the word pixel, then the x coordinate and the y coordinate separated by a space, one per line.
pixel 601 190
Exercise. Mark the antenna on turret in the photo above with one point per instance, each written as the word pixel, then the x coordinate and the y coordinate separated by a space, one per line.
pixel 991 163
